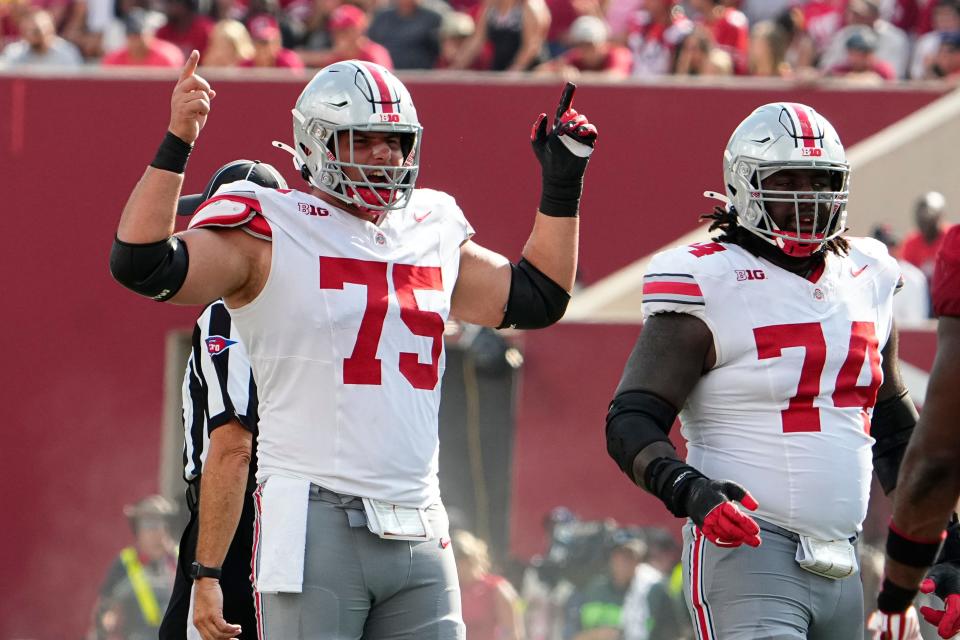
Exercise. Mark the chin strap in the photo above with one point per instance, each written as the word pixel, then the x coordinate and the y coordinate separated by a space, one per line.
pixel 297 162
pixel 796 249
pixel 713 195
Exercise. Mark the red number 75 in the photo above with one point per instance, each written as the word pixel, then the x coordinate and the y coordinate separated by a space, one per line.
pixel 363 366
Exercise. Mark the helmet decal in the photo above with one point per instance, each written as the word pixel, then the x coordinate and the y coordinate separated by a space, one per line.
pixel 802 125
pixel 376 87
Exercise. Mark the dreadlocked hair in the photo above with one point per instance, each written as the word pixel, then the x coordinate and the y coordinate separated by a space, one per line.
pixel 725 219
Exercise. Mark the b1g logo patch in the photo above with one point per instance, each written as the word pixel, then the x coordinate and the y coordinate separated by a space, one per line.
pixel 218 344
pixel 811 152
pixel 750 274
pixel 311 210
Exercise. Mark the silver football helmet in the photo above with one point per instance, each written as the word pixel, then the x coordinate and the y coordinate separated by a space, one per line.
pixel 348 97
pixel 778 136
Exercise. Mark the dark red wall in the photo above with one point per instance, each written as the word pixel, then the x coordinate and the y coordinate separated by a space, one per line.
pixel 83 376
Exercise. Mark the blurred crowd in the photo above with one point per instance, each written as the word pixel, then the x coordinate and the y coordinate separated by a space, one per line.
pixel 916 252
pixel 872 41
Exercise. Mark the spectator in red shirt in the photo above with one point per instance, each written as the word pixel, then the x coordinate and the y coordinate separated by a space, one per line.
pixel 185 27
pixel 490 603
pixel 730 29
pixel 143 48
pixel 655 33
pixel 268 50
pixel 920 247
pixel 591 51
pixel 822 19
pixel 861 62
pixel 348 29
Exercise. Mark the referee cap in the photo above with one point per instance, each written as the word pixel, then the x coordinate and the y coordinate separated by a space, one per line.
pixel 255 171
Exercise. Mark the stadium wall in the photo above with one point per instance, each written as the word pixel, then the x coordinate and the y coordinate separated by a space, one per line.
pixel 82 390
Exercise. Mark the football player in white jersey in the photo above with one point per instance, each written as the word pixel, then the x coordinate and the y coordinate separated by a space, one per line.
pixel 775 343
pixel 340 294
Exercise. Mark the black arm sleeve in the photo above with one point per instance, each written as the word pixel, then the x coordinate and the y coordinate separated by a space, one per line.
pixel 891 426
pixel 535 300
pixel 156 269
pixel 635 420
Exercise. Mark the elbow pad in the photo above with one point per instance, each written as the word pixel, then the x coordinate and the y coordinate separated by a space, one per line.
pixel 635 420
pixel 892 423
pixel 535 301
pixel 156 270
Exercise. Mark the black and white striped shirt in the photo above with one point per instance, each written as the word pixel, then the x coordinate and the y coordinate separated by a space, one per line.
pixel 218 387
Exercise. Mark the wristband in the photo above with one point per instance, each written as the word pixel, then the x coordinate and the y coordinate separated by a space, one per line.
pixel 894 598
pixel 669 479
pixel 912 552
pixel 172 155
pixel 560 199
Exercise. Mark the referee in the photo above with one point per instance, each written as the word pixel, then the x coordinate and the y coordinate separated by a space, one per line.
pixel 220 429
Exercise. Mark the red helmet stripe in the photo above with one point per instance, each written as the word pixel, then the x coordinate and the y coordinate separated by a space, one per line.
pixel 386 100
pixel 806 126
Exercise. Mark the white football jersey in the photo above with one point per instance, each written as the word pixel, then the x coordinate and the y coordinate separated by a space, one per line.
pixel 786 410
pixel 346 337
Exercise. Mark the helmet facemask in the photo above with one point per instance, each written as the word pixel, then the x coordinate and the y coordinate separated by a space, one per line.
pixel 378 187
pixel 818 215
pixel 373 187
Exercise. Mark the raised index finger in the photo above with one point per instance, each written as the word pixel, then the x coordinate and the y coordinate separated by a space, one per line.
pixel 190 66
pixel 566 99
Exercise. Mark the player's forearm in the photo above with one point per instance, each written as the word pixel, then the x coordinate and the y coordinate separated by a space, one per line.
pixel 925 498
pixel 151 209
pixel 552 248
pixel 223 484
pixel 647 455
pixel 926 494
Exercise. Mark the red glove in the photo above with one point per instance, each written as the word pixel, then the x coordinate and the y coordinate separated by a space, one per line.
pixel 946 620
pixel 724 524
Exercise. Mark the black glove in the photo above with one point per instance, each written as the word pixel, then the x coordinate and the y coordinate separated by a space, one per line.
pixel 563 156
pixel 687 492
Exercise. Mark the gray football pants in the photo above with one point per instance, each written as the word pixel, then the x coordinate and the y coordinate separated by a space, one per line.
pixel 747 593
pixel 358 585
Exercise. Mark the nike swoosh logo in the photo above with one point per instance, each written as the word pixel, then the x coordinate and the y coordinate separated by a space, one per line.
pixel 423 217
pixel 857 272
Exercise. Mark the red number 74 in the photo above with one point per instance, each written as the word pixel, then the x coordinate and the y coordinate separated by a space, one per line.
pixel 800 414
pixel 363 366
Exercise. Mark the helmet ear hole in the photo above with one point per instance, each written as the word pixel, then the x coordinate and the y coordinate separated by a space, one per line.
pixel 305 173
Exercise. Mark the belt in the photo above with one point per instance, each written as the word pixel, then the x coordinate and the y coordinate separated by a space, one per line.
pixel 351 505
pixel 791 535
